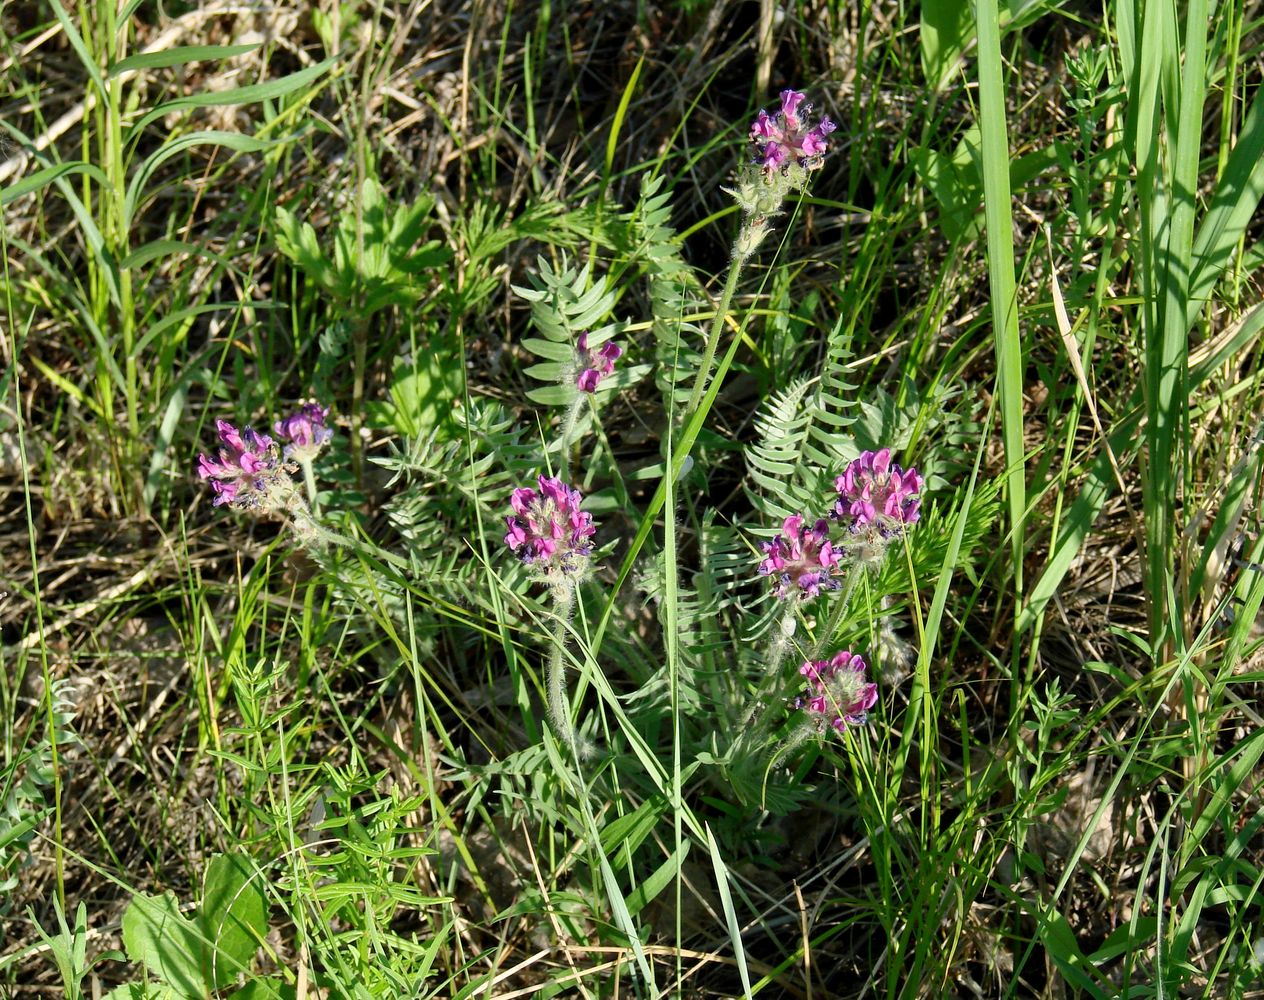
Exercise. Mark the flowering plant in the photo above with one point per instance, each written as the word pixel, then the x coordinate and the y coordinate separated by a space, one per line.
pixel 801 559
pixel 876 495
pixel 305 432
pixel 839 694
pixel 595 364
pixel 246 471
pixel 548 530
pixel 788 136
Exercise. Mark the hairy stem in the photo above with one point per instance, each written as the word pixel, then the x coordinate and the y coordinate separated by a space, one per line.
pixel 555 676
pixel 713 338
pixel 836 616
pixel 309 481
pixel 568 432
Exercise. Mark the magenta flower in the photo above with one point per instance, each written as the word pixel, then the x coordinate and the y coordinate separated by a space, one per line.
pixel 801 559
pixel 838 693
pixel 875 494
pixel 788 136
pixel 594 365
pixel 246 470
pixel 305 432
pixel 553 534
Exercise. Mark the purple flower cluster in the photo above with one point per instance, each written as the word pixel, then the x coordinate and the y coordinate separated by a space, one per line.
pixel 246 469
pixel 838 693
pixel 875 494
pixel 595 364
pixel 305 432
pixel 788 136
pixel 876 501
pixel 548 529
pixel 801 559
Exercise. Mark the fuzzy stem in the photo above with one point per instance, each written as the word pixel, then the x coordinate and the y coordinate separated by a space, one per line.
pixel 780 644
pixel 309 481
pixel 311 531
pixel 555 675
pixel 836 616
pixel 713 338
pixel 776 655
pixel 568 431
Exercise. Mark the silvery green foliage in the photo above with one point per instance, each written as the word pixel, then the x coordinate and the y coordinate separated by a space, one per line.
pixel 24 786
pixel 774 460
pixel 440 484
pixel 565 302
pixel 804 436
pixel 674 290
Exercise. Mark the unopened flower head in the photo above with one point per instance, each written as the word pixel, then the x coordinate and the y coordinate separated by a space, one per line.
pixel 594 364
pixel 246 471
pixel 790 136
pixel 839 694
pixel 305 432
pixel 801 559
pixel 876 496
pixel 548 530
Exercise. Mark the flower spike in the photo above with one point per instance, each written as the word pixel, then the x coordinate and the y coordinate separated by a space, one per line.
pixel 305 432
pixel 786 137
pixel 548 530
pixel 801 559
pixel 876 496
pixel 839 695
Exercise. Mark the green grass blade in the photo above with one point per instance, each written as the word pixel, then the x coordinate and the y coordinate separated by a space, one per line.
pixel 994 152
pixel 730 914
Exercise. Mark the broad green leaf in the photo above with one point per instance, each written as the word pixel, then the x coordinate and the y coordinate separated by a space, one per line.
pixel 548 371
pixel 627 833
pixel 730 912
pixel 81 50
pixel 166 248
pixel 1061 945
pixel 145 991
pixel 297 240
pixel 994 158
pixel 229 140
pixel 165 943
pixel 947 28
pixel 234 916
pixel 265 989
pixel 1237 196
pixel 551 349
pixel 552 395
pixel 162 445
